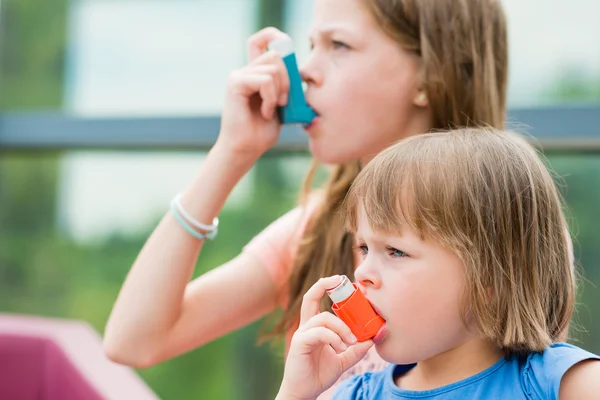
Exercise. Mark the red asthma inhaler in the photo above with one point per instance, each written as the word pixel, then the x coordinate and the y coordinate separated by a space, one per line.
pixel 352 307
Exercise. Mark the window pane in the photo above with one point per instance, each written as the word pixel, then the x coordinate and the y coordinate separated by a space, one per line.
pixel 123 58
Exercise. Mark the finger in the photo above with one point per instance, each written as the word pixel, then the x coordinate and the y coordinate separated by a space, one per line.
pixel 312 298
pixel 284 82
pixel 258 42
pixel 354 354
pixel 268 94
pixel 318 336
pixel 270 69
pixel 331 322
pixel 275 72
pixel 248 84
pixel 268 58
pixel 274 65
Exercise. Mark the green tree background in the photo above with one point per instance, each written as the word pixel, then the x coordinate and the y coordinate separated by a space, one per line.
pixel 44 273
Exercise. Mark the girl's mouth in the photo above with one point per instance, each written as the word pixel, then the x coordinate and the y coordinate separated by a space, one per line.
pixel 381 334
pixel 312 123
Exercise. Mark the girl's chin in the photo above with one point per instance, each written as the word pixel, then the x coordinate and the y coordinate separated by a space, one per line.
pixel 394 353
pixel 328 153
pixel 321 152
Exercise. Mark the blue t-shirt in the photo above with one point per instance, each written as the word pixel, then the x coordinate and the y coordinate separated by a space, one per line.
pixel 532 377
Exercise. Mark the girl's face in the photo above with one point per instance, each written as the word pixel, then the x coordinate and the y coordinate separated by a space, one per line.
pixel 362 84
pixel 417 287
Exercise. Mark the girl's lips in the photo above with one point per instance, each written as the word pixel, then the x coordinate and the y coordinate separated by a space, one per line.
pixel 381 334
pixel 312 123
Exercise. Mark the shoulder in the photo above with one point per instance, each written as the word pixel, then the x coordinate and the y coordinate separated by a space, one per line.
pixel 557 369
pixel 275 246
pixel 582 381
pixel 295 220
pixel 368 385
pixel 286 227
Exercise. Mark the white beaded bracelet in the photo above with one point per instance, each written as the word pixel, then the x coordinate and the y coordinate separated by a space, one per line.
pixel 209 231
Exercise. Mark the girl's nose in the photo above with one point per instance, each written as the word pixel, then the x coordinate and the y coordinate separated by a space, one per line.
pixel 310 72
pixel 366 275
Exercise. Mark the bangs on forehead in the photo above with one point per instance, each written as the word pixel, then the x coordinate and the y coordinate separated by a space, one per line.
pixel 386 191
pixel 413 184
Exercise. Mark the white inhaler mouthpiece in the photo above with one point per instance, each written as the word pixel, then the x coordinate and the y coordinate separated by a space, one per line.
pixel 342 291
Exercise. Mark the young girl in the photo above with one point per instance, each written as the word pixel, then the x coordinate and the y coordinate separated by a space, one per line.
pixel 379 71
pixel 462 247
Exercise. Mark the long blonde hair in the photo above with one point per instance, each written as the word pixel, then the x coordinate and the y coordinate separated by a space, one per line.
pixel 463 47
pixel 485 195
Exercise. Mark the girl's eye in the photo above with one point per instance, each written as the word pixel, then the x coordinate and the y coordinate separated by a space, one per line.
pixel 395 253
pixel 361 249
pixel 338 45
pixel 335 44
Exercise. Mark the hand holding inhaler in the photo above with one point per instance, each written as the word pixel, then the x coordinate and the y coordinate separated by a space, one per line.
pixel 262 96
pixel 352 307
pixel 325 346
pixel 249 123
pixel 296 111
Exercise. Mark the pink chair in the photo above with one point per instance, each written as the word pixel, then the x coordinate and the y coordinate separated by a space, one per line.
pixel 48 359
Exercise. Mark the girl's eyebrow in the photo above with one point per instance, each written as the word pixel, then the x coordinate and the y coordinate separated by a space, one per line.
pixel 376 238
pixel 329 30
pixel 397 240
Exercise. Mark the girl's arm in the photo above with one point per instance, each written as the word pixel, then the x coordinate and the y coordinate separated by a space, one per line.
pixel 157 314
pixel 581 382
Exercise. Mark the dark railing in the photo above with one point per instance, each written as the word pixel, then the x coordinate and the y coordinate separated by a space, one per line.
pixel 556 129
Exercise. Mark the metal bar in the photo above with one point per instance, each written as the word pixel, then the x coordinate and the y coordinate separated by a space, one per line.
pixel 573 129
pixel 48 131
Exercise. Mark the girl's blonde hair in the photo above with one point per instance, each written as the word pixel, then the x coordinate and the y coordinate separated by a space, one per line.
pixel 485 195
pixel 463 48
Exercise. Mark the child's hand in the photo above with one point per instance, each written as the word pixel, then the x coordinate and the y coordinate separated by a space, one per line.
pixel 322 348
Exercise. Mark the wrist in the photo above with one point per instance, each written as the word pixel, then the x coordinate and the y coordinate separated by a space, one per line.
pixel 286 394
pixel 238 153
pixel 221 170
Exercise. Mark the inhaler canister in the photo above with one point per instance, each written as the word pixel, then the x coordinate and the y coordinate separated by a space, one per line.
pixel 352 307
pixel 296 111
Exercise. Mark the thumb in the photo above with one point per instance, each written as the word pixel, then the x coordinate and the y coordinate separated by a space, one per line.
pixel 354 354
pixel 258 42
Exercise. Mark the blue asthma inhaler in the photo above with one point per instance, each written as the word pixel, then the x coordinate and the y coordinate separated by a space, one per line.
pixel 296 111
